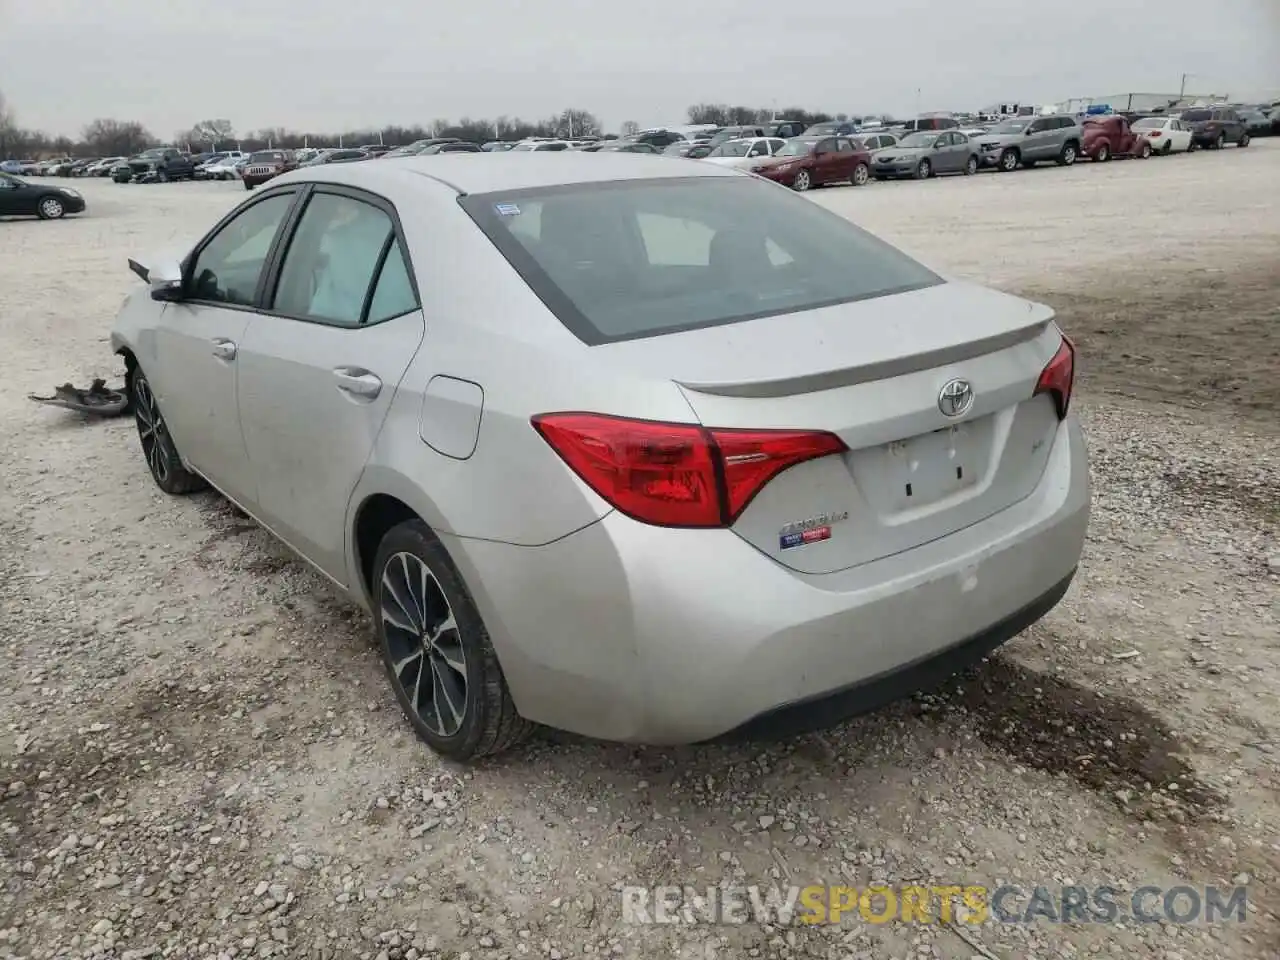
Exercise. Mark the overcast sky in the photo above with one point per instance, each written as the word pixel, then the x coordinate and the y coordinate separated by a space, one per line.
pixel 335 64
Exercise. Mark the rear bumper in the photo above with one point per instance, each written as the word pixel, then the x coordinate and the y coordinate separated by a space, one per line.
pixel 635 633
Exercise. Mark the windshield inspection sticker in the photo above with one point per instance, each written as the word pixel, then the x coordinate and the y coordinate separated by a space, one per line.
pixel 506 209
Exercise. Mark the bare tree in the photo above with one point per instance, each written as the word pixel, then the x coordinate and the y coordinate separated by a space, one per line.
pixel 574 123
pixel 8 130
pixel 112 138
pixel 629 128
pixel 209 133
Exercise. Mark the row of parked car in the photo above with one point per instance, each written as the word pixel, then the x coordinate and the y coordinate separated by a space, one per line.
pixel 799 155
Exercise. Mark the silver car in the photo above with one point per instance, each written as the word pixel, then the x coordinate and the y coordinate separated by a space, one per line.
pixel 647 451
pixel 926 154
pixel 1026 141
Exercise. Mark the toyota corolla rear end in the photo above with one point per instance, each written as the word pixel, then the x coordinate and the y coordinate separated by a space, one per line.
pixel 877 481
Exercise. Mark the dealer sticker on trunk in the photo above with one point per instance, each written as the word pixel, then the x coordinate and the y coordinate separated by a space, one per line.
pixel 800 538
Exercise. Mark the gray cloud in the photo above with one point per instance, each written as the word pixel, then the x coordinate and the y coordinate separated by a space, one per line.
pixel 332 64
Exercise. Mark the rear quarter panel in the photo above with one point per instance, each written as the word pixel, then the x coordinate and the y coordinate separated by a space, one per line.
pixel 484 325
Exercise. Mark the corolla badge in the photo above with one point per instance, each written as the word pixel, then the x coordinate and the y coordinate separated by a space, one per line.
pixel 955 398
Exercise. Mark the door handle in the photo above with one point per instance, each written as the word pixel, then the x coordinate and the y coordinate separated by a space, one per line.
pixel 224 349
pixel 357 382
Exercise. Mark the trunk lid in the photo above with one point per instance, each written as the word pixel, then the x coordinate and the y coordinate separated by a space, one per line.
pixel 873 372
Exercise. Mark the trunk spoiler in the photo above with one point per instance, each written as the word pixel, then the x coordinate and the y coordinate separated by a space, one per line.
pixel 865 373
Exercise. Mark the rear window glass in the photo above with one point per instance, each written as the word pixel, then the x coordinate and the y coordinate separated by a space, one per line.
pixel 1195 115
pixel 623 260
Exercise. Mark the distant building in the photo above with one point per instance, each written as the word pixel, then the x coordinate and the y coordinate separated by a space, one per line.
pixel 1139 102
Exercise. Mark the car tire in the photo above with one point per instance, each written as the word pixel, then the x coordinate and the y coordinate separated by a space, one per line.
pixel 861 174
pixel 1167 148
pixel 50 208
pixel 1009 161
pixel 1144 151
pixel 162 457
pixel 1220 142
pixel 971 166
pixel 468 712
pixel 1244 141
pixel 924 170
pixel 162 176
pixel 248 185
pixel 1103 154
pixel 803 181
pixel 1068 155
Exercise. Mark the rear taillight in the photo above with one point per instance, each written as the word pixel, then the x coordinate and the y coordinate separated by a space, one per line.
pixel 1156 133
pixel 1058 377
pixel 675 474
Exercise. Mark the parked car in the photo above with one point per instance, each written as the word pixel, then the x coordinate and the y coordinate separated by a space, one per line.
pixel 831 128
pixel 804 162
pixel 659 138
pixel 1107 137
pixel 347 155
pixel 929 123
pixel 745 153
pixel 78 167
pixel 227 168
pixel 413 149
pixel 23 198
pixel 1257 123
pixel 161 164
pixel 497 146
pixel 725 134
pixel 12 167
pixel 1026 141
pixel 925 153
pixel 784 128
pixel 876 141
pixel 215 161
pixel 540 146
pixel 1216 127
pixel 928 429
pixel 103 167
pixel 685 148
pixel 1166 134
pixel 457 146
pixel 264 165
pixel 627 146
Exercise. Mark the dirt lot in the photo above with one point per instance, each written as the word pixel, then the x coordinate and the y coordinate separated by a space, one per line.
pixel 199 756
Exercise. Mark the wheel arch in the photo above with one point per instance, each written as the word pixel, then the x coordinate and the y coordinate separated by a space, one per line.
pixel 382 499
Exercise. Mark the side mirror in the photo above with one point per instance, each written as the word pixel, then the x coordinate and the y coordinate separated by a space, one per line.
pixel 165 280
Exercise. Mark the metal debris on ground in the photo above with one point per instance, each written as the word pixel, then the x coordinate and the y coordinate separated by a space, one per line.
pixel 98 400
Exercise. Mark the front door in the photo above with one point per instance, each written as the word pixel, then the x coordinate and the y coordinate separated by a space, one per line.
pixel 319 369
pixel 197 342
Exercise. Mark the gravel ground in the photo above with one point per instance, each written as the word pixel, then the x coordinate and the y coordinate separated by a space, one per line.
pixel 199 755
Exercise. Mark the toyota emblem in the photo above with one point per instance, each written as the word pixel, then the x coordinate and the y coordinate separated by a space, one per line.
pixel 955 398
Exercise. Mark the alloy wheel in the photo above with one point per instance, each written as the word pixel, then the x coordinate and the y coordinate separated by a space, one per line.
pixel 151 430
pixel 51 208
pixel 426 655
pixel 802 181
pixel 860 175
pixel 1009 162
pixel 1068 155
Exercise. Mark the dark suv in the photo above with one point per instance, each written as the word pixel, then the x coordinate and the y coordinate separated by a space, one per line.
pixel 1216 127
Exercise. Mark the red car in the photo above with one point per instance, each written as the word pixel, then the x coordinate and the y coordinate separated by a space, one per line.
pixel 265 164
pixel 1107 137
pixel 804 162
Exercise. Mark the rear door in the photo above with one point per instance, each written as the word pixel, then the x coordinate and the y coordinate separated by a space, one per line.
pixel 318 370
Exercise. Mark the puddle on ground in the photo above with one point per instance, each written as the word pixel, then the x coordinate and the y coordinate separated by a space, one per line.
pixel 1108 744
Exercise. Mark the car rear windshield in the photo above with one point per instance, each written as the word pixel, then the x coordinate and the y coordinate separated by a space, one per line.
pixel 628 259
pixel 1195 115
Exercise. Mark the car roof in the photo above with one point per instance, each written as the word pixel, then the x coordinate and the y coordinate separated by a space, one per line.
pixel 493 172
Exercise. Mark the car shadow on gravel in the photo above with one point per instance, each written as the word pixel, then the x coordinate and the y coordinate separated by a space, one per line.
pixel 1111 745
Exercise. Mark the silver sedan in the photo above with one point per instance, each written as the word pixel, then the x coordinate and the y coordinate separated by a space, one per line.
pixel 641 450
